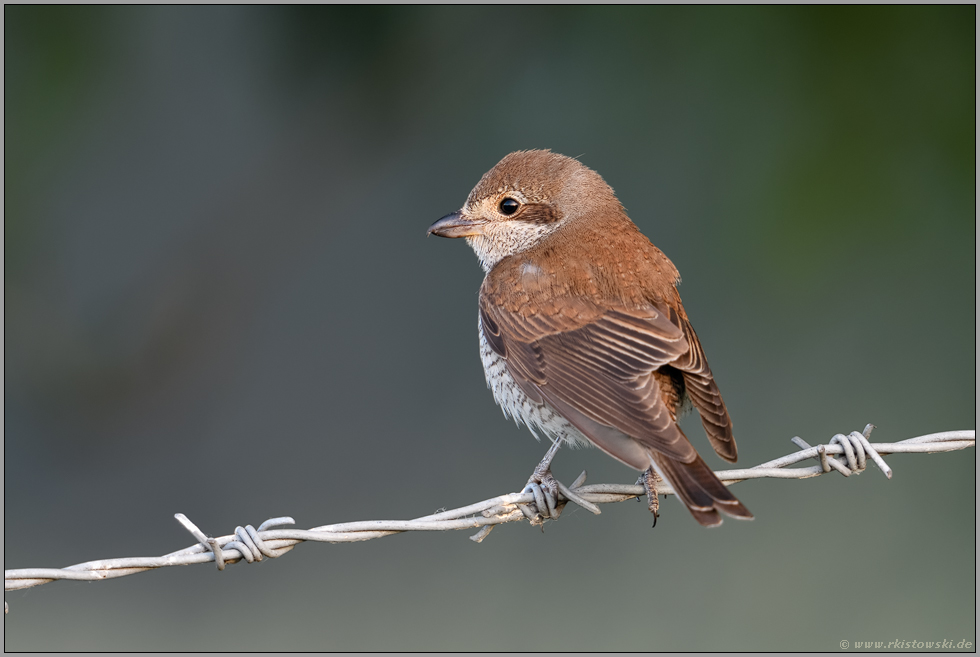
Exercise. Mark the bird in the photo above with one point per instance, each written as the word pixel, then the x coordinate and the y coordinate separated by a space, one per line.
pixel 583 336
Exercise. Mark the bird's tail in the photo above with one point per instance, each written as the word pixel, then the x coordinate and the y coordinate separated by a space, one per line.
pixel 699 489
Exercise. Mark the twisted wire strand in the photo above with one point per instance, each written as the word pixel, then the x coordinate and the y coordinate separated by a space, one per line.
pixel 250 544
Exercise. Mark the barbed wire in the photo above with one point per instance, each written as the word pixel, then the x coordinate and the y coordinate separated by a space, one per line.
pixel 250 544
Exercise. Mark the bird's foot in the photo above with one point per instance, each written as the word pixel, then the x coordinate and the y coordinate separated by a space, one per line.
pixel 548 502
pixel 550 496
pixel 649 479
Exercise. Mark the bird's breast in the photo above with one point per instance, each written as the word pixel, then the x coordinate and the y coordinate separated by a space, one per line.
pixel 517 405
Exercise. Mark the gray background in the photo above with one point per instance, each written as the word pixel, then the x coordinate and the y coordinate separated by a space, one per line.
pixel 219 300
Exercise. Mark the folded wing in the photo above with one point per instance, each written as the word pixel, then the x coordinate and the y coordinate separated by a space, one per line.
pixel 595 366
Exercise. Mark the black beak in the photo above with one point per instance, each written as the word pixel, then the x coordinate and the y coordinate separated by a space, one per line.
pixel 456 225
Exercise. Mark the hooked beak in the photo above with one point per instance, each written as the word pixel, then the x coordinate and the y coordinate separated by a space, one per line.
pixel 456 225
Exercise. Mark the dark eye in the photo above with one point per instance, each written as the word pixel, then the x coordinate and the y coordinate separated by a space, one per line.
pixel 509 206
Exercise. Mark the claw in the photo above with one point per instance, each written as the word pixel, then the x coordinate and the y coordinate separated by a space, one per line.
pixel 550 495
pixel 650 479
pixel 545 489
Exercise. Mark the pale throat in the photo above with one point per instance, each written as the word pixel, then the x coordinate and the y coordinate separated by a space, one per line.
pixel 506 238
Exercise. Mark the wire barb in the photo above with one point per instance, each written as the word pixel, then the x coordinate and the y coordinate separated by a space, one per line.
pixel 270 540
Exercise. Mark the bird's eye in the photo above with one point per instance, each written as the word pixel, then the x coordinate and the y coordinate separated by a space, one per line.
pixel 509 206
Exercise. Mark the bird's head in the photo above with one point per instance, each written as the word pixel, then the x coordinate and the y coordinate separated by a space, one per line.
pixel 527 197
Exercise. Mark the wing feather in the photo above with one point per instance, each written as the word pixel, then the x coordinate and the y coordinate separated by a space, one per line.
pixel 602 368
pixel 595 365
pixel 704 394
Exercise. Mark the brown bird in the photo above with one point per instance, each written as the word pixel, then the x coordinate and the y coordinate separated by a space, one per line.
pixel 582 332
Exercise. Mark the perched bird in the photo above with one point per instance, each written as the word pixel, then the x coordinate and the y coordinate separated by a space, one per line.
pixel 582 333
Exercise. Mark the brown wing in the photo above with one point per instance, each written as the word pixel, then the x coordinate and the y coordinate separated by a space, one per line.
pixel 595 366
pixel 704 394
pixel 603 370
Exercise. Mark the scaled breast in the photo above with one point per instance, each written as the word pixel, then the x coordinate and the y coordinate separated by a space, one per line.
pixel 515 404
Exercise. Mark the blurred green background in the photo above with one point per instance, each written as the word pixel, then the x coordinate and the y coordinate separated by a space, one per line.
pixel 219 300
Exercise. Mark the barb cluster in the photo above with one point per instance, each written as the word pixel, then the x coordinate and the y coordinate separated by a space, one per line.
pixel 250 544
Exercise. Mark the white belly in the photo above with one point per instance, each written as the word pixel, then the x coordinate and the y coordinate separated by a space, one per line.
pixel 515 404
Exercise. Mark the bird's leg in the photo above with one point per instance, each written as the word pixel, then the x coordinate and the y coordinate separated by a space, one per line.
pixel 550 495
pixel 545 489
pixel 650 479
pixel 542 471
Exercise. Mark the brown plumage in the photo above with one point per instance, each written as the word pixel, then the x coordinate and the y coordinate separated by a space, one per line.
pixel 583 334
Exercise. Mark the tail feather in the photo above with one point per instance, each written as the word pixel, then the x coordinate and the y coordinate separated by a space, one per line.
pixel 699 489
